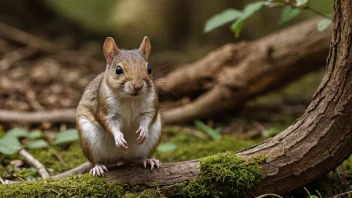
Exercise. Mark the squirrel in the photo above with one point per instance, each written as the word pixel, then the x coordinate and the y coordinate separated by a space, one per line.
pixel 118 117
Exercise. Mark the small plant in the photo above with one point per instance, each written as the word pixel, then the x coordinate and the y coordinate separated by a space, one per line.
pixel 10 141
pixel 213 133
pixel 166 147
pixel 312 196
pixel 290 10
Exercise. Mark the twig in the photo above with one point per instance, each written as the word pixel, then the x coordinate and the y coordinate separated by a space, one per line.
pixel 191 132
pixel 83 168
pixel 41 168
pixel 317 12
pixel 25 38
pixel 307 7
pixel 57 155
pixel 249 134
pixel 2 181
pixel 259 126
pixel 56 116
pixel 19 54
pixel 29 40
pixel 337 196
pixel 32 100
pixel 319 194
pixel 271 195
pixel 20 178
pixel 6 181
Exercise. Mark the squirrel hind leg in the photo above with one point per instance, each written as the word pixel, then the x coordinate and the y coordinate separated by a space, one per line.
pixel 98 170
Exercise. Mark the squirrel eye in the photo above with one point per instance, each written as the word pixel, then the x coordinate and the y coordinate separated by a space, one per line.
pixel 119 70
pixel 149 69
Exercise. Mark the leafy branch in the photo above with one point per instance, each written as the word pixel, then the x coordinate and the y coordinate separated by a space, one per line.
pixel 291 9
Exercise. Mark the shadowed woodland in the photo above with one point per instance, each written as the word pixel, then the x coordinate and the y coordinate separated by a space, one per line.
pixel 255 96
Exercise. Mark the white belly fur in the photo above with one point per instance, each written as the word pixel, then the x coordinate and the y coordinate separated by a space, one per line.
pixel 103 146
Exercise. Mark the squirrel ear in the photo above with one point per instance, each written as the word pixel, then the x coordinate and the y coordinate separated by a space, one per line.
pixel 110 49
pixel 145 47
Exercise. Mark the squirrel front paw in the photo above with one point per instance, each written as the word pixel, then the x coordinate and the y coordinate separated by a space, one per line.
pixel 120 141
pixel 143 134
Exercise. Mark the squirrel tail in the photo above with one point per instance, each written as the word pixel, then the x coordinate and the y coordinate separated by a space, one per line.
pixel 83 168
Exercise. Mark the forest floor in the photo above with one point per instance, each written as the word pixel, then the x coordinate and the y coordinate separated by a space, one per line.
pixel 260 119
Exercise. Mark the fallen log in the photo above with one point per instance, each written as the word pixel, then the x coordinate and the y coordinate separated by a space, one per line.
pixel 228 77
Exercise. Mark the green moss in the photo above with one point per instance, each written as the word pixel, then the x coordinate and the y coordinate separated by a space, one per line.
pixel 73 186
pixel 224 175
pixel 348 165
pixel 72 157
pixel 197 148
pixel 144 194
pixel 26 173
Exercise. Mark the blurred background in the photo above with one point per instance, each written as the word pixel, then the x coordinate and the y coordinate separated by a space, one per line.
pixel 68 35
pixel 173 26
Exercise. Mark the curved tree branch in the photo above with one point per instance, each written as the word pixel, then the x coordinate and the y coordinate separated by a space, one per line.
pixel 66 115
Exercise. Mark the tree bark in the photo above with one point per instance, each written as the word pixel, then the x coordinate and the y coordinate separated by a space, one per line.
pixel 235 73
pixel 313 145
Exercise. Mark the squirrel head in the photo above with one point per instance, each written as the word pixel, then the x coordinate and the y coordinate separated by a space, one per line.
pixel 128 72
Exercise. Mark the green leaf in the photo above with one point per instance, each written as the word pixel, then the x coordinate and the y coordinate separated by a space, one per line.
pixel 248 11
pixel 36 144
pixel 300 3
pixel 9 145
pixel 67 136
pixel 20 133
pixel 323 24
pixel 34 134
pixel 1 131
pixel 251 8
pixel 213 133
pixel 17 133
pixel 237 27
pixel 166 147
pixel 288 13
pixel 221 19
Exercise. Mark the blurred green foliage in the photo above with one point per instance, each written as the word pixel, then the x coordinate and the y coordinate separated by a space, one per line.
pixel 91 14
pixel 290 10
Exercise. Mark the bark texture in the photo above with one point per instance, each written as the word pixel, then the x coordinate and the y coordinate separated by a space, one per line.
pixel 313 145
pixel 235 73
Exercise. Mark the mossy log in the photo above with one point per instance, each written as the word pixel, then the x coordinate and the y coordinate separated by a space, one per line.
pixel 313 145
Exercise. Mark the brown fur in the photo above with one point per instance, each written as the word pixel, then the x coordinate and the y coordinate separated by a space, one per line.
pixel 93 105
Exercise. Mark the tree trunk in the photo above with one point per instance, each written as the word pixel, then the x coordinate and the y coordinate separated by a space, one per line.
pixel 313 145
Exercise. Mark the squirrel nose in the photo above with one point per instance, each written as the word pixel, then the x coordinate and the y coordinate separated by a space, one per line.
pixel 137 85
